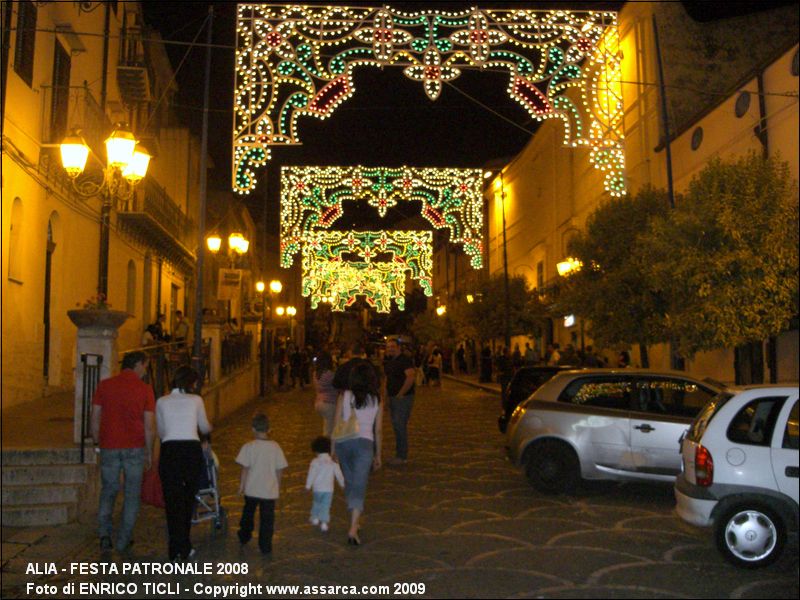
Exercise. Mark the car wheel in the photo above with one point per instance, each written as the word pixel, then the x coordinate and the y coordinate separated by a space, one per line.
pixel 750 535
pixel 552 467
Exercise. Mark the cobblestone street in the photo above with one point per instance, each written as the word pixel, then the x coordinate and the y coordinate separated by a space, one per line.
pixel 458 519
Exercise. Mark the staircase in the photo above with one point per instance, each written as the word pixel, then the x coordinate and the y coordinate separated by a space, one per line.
pixel 47 486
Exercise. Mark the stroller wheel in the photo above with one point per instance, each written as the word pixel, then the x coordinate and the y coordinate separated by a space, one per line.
pixel 221 522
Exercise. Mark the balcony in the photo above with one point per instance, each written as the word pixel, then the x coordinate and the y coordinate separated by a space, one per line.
pixel 133 77
pixel 153 218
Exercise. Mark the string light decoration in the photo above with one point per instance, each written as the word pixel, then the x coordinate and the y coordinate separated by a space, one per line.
pixel 312 197
pixel 329 275
pixel 340 282
pixel 295 61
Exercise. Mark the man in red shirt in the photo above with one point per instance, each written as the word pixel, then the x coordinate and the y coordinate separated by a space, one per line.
pixel 123 410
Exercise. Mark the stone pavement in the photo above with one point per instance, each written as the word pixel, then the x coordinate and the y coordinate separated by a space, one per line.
pixel 458 519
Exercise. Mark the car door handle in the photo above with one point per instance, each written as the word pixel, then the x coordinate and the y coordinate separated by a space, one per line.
pixel 793 472
pixel 645 428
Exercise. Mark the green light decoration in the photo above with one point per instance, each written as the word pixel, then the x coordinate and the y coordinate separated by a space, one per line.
pixel 312 199
pixel 326 265
pixel 294 61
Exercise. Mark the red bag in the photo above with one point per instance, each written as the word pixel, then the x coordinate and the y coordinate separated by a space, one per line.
pixel 152 493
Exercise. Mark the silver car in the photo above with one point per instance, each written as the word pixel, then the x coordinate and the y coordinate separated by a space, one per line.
pixel 605 424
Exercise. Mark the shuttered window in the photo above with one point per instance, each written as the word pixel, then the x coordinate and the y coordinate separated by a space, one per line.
pixel 26 40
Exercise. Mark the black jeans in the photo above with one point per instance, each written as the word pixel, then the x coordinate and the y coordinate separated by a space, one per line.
pixel 266 525
pixel 180 467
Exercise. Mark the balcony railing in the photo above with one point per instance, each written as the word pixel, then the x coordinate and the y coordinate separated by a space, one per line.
pixel 236 351
pixel 84 114
pixel 133 76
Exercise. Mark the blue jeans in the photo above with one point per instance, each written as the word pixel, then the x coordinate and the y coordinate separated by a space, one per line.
pixel 355 458
pixel 321 507
pixel 130 462
pixel 400 408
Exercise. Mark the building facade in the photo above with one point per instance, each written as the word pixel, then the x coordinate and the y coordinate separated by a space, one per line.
pixel 86 65
pixel 548 191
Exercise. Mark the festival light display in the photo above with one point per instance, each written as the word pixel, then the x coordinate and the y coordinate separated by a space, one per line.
pixel 294 61
pixel 312 197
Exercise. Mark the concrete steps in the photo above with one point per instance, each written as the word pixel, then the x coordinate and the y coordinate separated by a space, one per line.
pixel 46 486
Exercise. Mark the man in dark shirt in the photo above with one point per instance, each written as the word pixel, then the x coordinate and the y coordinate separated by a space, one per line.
pixel 354 355
pixel 400 374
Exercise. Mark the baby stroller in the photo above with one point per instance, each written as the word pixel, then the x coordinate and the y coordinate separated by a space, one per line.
pixel 207 505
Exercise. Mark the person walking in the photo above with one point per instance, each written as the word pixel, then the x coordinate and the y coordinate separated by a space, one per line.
pixel 262 462
pixel 359 454
pixel 180 414
pixel 123 429
pixel 325 399
pixel 321 474
pixel 435 367
pixel 399 379
pixel 181 330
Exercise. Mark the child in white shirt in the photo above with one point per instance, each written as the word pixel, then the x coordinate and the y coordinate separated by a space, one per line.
pixel 321 473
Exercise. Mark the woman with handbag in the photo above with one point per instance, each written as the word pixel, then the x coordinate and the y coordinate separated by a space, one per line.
pixel 357 439
pixel 180 415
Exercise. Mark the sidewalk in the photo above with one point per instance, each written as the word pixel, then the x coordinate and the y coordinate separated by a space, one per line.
pixel 472 380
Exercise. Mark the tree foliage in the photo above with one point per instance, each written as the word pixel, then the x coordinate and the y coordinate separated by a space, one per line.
pixel 727 257
pixel 613 290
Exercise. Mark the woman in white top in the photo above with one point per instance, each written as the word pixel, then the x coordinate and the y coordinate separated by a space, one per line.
pixel 180 415
pixel 358 455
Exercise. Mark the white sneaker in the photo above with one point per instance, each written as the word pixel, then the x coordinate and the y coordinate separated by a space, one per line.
pixel 314 521
pixel 323 526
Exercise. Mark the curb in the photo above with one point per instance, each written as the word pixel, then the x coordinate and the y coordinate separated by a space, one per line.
pixel 480 386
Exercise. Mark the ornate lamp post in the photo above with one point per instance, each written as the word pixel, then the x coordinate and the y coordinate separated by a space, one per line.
pixel 275 288
pixel 237 247
pixel 126 165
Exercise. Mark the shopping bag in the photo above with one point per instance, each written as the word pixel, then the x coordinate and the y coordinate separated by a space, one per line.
pixel 152 493
pixel 346 430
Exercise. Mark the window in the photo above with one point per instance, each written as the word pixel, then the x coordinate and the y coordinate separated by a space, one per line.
pixel 675 397
pixel 753 425
pixel 59 107
pixel 792 431
pixel 742 104
pixel 26 41
pixel 607 392
pixel 697 138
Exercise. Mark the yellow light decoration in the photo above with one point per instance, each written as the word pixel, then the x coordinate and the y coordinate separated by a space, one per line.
pixel 312 197
pixel 275 286
pixel 294 61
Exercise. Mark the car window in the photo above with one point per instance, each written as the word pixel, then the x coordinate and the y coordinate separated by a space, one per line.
pixel 790 434
pixel 699 425
pixel 670 396
pixel 754 423
pixel 527 381
pixel 607 392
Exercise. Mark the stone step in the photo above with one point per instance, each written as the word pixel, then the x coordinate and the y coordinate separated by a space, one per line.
pixel 21 495
pixel 47 456
pixel 38 515
pixel 43 474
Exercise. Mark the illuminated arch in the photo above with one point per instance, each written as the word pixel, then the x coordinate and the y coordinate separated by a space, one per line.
pixel 294 61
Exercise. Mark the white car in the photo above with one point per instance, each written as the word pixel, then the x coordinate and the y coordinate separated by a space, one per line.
pixel 621 424
pixel 740 472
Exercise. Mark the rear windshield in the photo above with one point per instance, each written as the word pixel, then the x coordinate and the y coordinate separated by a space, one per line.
pixel 698 427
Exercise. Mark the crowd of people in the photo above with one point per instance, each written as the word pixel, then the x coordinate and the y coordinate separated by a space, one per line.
pixel 351 390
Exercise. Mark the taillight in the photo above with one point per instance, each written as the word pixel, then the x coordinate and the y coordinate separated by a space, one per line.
pixel 703 466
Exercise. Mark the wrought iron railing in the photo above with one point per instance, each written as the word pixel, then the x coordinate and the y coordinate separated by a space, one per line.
pixel 165 360
pixel 84 114
pixel 92 363
pixel 236 350
pixel 156 202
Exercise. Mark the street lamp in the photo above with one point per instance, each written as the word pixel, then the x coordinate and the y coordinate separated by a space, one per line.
pixel 275 287
pixel 441 310
pixel 126 165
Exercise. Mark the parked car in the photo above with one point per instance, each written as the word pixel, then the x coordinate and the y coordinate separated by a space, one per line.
pixel 525 381
pixel 604 424
pixel 740 472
